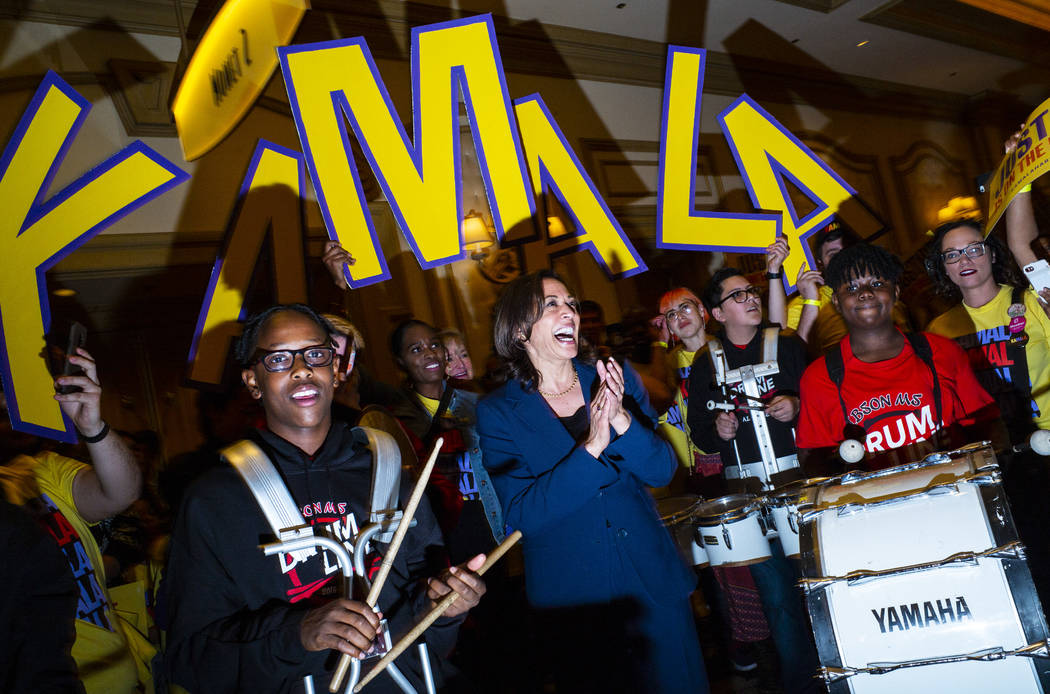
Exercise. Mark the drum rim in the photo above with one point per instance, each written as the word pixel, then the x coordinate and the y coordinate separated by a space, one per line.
pixel 680 515
pixel 751 506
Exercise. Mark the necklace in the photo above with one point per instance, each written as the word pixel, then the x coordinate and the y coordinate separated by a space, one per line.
pixel 575 379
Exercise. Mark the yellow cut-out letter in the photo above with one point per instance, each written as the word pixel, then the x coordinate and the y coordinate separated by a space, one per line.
pixel 36 234
pixel 337 81
pixel 554 166
pixel 270 199
pixel 678 226
pixel 768 156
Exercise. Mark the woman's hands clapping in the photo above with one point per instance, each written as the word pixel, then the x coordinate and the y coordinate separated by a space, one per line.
pixel 607 408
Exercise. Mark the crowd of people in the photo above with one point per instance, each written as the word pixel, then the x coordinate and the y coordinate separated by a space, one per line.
pixel 567 441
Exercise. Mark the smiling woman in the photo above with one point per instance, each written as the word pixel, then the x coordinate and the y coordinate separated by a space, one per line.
pixel 571 447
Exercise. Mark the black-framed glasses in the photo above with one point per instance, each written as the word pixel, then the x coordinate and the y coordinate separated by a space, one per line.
pixel 742 295
pixel 315 356
pixel 973 250
pixel 684 310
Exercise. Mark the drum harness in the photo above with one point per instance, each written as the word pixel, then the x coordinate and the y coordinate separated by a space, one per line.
pixel 296 537
pixel 748 375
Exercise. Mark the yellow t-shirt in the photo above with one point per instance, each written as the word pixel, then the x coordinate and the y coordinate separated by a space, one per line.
pixel 104 663
pixel 983 332
pixel 829 328
pixel 430 404
pixel 673 425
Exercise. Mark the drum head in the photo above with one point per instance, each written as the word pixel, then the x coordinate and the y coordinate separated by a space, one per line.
pixel 726 508
pixel 790 493
pixel 674 509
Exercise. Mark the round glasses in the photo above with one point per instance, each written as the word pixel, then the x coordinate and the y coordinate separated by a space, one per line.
pixel 954 255
pixel 685 310
pixel 742 295
pixel 315 356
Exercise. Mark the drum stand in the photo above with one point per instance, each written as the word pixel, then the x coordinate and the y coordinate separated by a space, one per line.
pixel 303 539
pixel 749 375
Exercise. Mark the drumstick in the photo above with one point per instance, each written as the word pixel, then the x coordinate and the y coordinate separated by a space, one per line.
pixel 388 559
pixel 437 611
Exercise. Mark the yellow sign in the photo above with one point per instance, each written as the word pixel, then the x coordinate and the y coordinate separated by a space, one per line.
pixel 1027 162
pixel 230 67
pixel 270 201
pixel 769 158
pixel 36 232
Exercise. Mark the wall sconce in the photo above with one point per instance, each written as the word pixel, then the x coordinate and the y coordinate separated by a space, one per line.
pixel 476 236
pixel 959 207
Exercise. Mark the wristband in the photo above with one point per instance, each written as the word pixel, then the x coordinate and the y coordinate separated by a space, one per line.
pixel 772 275
pixel 1026 189
pixel 97 437
pixel 811 302
pixel 659 343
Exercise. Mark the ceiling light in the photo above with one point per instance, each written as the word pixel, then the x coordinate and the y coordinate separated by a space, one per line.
pixel 862 43
pixel 64 292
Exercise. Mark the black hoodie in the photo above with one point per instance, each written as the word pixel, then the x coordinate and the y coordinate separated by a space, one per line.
pixel 235 613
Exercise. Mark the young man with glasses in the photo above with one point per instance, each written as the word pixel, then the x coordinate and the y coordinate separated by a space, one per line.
pixel 736 304
pixel 242 621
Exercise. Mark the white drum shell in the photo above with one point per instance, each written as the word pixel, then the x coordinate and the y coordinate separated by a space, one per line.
pixel 678 515
pixel 737 541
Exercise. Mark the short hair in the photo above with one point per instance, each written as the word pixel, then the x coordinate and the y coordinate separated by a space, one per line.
pixel 1002 261
pixel 448 334
pixel 397 337
pixel 862 259
pixel 518 307
pixel 833 232
pixel 249 339
pixel 346 328
pixel 674 298
pixel 713 290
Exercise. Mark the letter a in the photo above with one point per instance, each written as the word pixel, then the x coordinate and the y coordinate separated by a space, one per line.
pixel 270 199
pixel 36 234
pixel 768 156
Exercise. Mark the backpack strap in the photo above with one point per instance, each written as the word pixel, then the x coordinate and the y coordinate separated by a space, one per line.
pixel 836 367
pixel 923 350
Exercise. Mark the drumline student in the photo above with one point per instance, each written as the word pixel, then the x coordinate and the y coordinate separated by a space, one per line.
pixel 734 302
pixel 887 390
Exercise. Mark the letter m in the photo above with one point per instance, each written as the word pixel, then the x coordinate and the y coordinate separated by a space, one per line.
pixel 333 82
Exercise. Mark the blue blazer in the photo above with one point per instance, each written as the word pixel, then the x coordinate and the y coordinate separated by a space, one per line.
pixel 591 531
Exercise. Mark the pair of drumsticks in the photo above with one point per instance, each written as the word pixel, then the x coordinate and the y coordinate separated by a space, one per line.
pixel 384 570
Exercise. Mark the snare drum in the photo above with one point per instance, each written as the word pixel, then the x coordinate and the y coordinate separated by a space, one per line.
pixel 915 581
pixel 678 514
pixel 782 504
pixel 731 532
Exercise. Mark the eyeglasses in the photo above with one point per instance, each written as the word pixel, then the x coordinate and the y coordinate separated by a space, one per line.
pixel 954 255
pixel 742 295
pixel 315 356
pixel 684 310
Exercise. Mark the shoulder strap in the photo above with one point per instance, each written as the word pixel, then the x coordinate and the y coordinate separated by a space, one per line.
pixel 922 348
pixel 435 421
pixel 836 367
pixel 1017 295
pixel 770 338
pixel 717 356
pixel 267 486
pixel 386 478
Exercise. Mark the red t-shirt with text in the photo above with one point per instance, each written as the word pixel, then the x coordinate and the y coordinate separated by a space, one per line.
pixel 892 399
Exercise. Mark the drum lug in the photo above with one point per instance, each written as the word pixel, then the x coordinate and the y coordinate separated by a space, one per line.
pixel 725 537
pixel 793 522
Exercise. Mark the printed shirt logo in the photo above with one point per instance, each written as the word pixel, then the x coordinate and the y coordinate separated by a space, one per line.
pixel 313 576
pixel 674 413
pixel 92 604
pixel 894 420
pixel 987 352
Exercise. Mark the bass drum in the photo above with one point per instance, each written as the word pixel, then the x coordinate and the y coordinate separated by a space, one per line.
pixel 916 581
pixel 678 514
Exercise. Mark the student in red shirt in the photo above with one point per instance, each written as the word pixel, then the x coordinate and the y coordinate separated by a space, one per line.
pixel 897 394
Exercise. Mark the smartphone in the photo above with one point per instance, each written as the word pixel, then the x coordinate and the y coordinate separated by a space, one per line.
pixel 1038 274
pixel 77 338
